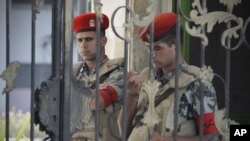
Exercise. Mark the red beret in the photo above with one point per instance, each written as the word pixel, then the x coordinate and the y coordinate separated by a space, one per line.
pixel 163 23
pixel 87 22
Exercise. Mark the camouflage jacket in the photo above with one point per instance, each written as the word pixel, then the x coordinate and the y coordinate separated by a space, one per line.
pixel 110 72
pixel 188 108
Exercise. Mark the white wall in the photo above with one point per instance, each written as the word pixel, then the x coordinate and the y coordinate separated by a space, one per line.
pixel 115 46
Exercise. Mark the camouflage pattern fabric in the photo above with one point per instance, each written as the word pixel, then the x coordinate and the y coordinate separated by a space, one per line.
pixel 113 72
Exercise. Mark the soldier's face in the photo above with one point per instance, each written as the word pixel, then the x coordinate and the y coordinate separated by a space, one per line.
pixel 163 55
pixel 86 45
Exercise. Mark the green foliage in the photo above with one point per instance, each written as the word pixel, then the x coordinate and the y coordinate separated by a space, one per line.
pixel 185 8
pixel 21 133
pixel 19 126
pixel 2 130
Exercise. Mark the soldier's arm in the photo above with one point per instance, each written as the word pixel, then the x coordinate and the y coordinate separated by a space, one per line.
pixel 131 104
pixel 111 89
pixel 210 105
pixel 92 104
pixel 134 86
pixel 108 95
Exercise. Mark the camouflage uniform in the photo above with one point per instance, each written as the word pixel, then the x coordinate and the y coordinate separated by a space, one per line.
pixel 189 104
pixel 112 72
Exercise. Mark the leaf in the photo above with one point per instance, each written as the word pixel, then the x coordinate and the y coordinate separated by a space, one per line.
pixel 21 133
pixel 2 134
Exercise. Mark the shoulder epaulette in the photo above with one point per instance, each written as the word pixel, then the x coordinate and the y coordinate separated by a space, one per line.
pixel 117 61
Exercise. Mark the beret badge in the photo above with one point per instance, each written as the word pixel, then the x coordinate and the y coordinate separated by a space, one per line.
pixel 91 23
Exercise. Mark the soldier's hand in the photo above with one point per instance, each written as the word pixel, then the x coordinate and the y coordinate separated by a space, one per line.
pixel 92 103
pixel 134 83
pixel 103 86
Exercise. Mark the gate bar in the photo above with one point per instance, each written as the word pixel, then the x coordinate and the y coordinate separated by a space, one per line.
pixel 97 74
pixel 177 69
pixel 227 73
pixel 151 69
pixel 202 64
pixel 7 104
pixel 64 131
pixel 32 81
pixel 56 37
pixel 125 72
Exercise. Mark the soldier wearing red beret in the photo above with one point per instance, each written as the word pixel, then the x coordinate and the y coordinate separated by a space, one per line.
pixel 111 75
pixel 164 60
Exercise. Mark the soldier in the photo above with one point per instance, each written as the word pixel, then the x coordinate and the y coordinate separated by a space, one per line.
pixel 164 60
pixel 111 74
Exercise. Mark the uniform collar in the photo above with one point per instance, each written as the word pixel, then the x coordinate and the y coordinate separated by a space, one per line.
pixel 85 68
pixel 164 79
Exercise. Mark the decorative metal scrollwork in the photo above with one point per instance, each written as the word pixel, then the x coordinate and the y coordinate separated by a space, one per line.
pixel 98 9
pixel 201 17
pixel 48 106
pixel 37 6
pixel 136 20
pixel 151 118
pixel 9 75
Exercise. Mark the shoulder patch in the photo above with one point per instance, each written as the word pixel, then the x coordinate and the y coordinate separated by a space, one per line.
pixel 205 73
pixel 111 65
pixel 117 61
pixel 192 70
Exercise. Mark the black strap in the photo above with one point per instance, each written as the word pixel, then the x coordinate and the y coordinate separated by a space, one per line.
pixel 103 77
pixel 165 95
pixel 158 100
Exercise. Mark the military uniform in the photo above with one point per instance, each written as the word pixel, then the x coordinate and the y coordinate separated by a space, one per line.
pixel 111 72
pixel 188 90
pixel 189 105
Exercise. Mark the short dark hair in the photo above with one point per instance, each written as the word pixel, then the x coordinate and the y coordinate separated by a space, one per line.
pixel 170 36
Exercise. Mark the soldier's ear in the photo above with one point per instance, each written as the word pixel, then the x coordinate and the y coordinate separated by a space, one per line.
pixel 104 40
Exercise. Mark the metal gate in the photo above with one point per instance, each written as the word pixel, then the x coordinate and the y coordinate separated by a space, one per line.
pixel 198 22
